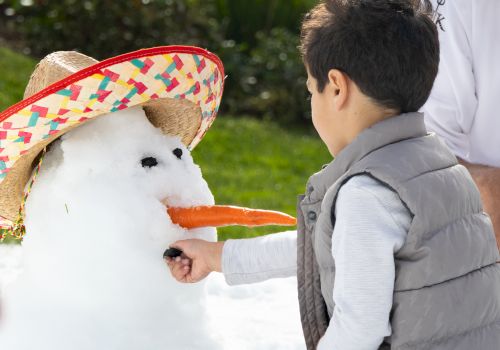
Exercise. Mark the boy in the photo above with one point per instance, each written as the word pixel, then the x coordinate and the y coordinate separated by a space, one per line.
pixel 393 248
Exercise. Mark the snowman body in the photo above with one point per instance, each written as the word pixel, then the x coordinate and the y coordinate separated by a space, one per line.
pixel 92 270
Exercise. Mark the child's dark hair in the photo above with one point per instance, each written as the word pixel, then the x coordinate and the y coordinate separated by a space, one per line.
pixel 389 48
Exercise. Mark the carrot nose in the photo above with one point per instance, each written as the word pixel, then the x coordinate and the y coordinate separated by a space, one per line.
pixel 226 215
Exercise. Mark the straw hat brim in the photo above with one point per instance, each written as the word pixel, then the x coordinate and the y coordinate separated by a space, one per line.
pixel 179 87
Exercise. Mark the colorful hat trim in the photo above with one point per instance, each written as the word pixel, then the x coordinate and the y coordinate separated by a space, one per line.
pixel 17 230
pixel 189 73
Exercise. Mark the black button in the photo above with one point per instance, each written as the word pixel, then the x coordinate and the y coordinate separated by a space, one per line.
pixel 311 216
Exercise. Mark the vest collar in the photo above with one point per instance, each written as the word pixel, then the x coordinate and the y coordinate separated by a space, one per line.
pixel 391 130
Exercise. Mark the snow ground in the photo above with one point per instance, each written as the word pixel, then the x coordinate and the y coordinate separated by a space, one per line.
pixel 257 316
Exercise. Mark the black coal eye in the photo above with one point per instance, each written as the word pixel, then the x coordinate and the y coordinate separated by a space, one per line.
pixel 149 162
pixel 177 152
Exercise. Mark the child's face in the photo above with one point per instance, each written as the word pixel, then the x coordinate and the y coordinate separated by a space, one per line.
pixel 326 118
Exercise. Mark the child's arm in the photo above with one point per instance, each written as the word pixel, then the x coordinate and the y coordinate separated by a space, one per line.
pixel 371 225
pixel 242 260
pixel 258 259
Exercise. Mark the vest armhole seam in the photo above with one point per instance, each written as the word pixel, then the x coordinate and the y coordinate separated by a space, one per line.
pixel 367 173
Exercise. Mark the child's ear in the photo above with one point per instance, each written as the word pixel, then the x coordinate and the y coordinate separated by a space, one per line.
pixel 338 87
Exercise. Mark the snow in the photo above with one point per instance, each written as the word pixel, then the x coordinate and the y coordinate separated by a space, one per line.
pixel 259 316
pixel 92 270
pixel 10 258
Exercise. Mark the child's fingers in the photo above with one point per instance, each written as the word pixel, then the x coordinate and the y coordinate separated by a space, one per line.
pixel 187 272
pixel 192 277
pixel 177 266
pixel 179 270
pixel 171 261
pixel 195 274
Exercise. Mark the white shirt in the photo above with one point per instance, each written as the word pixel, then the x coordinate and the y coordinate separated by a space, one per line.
pixel 464 104
pixel 371 225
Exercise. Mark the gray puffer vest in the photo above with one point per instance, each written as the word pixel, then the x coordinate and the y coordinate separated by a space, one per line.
pixel 447 285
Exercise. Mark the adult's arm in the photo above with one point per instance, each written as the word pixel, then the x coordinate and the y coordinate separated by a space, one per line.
pixel 487 180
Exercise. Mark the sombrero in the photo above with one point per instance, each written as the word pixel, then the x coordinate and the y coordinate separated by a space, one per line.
pixel 179 87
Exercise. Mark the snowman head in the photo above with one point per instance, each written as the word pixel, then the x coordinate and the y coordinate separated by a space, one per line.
pixel 102 194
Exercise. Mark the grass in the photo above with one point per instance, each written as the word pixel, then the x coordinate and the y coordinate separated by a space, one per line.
pixel 247 162
pixel 15 70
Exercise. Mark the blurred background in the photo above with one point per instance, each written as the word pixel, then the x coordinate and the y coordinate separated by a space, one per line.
pixel 257 40
pixel 262 147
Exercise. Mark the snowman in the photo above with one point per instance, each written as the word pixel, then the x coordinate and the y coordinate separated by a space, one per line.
pixel 90 161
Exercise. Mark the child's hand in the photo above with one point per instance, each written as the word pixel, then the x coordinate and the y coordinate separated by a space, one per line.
pixel 198 259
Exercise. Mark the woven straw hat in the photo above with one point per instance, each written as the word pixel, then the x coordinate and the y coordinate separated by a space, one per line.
pixel 179 88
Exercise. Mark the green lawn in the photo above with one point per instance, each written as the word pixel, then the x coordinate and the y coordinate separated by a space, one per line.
pixel 247 162
pixel 15 71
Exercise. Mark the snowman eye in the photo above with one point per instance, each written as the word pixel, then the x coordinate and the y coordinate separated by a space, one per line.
pixel 149 162
pixel 177 152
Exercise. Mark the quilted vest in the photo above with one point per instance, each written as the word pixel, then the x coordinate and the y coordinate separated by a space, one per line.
pixel 447 283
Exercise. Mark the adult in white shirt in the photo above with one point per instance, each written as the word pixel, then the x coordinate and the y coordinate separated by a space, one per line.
pixel 464 104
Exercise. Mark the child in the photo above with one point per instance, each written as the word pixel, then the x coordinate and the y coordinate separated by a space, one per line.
pixel 393 250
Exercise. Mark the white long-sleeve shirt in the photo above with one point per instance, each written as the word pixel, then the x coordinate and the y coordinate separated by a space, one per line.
pixel 371 225
pixel 463 107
